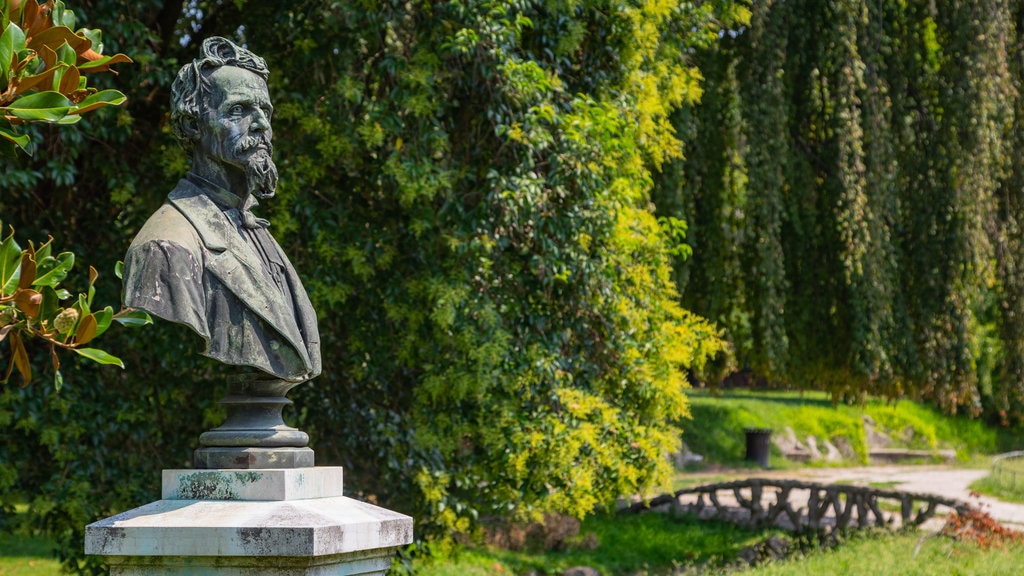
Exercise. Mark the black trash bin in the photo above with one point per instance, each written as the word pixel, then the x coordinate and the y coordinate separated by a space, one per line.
pixel 758 445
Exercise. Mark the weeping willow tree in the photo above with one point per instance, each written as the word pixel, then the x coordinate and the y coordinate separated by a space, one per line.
pixel 852 181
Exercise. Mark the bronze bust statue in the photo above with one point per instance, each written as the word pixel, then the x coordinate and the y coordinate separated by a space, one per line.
pixel 206 261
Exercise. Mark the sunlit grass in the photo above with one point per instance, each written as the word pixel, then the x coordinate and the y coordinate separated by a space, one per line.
pixel 650 544
pixel 27 556
pixel 716 430
pixel 901 554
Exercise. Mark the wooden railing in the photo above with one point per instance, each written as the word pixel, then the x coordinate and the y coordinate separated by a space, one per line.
pixel 1006 468
pixel 801 506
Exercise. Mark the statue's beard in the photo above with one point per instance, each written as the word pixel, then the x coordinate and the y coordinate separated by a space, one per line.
pixel 260 171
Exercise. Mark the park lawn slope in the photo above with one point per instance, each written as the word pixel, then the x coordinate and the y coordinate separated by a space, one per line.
pixel 716 430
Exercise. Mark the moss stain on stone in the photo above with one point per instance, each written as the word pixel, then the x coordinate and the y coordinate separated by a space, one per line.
pixel 205 486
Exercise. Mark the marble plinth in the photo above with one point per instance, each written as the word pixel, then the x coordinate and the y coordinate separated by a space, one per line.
pixel 252 522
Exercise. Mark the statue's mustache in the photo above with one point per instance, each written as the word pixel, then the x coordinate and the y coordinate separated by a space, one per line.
pixel 249 142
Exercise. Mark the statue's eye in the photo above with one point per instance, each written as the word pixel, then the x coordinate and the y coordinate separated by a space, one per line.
pixel 236 109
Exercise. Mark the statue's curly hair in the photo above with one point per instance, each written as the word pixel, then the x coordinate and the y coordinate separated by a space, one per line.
pixel 191 88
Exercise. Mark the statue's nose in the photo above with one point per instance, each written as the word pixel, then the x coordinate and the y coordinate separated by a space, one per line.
pixel 261 122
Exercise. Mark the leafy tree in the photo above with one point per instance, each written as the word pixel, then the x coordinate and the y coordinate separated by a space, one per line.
pixel 42 79
pixel 858 170
pixel 466 192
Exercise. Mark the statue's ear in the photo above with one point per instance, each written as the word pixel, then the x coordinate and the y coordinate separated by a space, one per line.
pixel 190 128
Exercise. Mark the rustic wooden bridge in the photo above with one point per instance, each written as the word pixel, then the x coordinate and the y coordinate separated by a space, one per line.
pixel 802 506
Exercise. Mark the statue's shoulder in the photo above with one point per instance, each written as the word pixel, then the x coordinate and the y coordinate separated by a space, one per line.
pixel 169 224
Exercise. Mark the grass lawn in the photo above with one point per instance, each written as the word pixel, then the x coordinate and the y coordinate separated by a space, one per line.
pixel 909 425
pixel 1006 483
pixel 650 544
pixel 26 556
pixel 707 548
pixel 900 555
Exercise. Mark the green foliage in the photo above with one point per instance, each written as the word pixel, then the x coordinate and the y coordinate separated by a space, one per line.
pixel 851 186
pixel 31 307
pixel 43 64
pixel 465 190
pixel 42 68
pixel 489 204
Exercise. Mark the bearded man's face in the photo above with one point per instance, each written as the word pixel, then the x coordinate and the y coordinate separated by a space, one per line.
pixel 235 130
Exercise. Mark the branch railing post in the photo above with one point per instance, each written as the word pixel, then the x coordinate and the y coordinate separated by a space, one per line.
pixel 828 506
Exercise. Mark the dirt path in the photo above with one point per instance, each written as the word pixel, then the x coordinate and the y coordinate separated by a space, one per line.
pixel 939 480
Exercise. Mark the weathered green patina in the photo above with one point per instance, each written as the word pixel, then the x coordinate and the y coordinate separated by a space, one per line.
pixel 206 261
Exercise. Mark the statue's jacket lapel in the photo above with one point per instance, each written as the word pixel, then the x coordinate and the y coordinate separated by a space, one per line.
pixel 235 264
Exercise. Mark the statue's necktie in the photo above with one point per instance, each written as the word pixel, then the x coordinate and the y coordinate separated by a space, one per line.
pixel 250 220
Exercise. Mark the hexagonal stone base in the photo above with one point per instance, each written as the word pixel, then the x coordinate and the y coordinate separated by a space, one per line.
pixel 277 522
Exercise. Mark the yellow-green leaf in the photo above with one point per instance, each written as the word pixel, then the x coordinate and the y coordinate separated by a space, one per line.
pixel 99 356
pixel 41 106
pixel 102 98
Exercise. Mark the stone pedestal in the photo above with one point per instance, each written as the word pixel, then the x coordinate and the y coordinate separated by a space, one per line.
pixel 250 522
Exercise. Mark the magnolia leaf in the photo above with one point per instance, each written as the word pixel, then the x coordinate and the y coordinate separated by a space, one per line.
pixel 103 319
pixel 29 14
pixel 55 37
pixel 48 55
pixel 20 140
pixel 28 269
pixel 49 306
pixel 18 39
pixel 119 270
pixel 10 11
pixel 62 16
pixel 41 106
pixel 51 271
pixel 28 302
pixel 82 305
pixel 102 98
pixel 7 51
pixel 69 119
pixel 99 356
pixel 36 20
pixel 101 64
pixel 133 318
pixel 94 36
pixel 86 329
pixel 5 330
pixel 20 357
pixel 67 54
pixel 44 78
pixel 69 81
pixel 58 381
pixel 10 265
pixel 44 249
